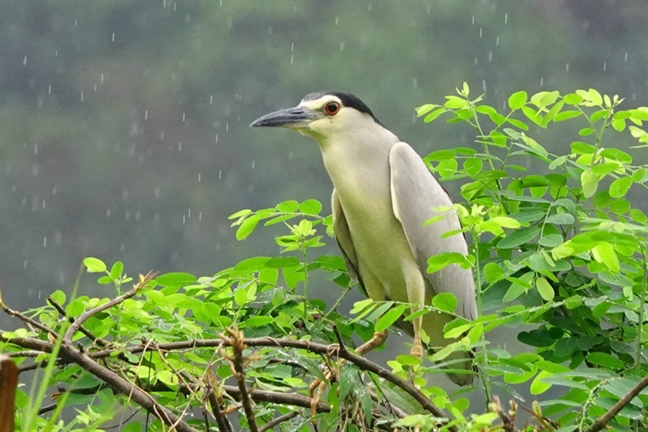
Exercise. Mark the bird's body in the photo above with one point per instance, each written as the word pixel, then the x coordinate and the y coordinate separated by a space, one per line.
pixel 383 196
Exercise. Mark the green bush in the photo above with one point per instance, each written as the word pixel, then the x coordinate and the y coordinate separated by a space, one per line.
pixel 559 255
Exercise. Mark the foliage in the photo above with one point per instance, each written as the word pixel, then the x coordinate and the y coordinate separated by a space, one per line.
pixel 559 256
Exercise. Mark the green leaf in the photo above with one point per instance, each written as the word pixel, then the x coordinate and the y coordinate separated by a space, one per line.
pixel 390 317
pixel 605 360
pixel 240 213
pixel 58 296
pixel 175 279
pixel 94 265
pixel 506 222
pixel 589 182
pixel 247 226
pixel 566 115
pixel 446 301
pixel 493 272
pixel 290 206
pixel 116 270
pixel 561 219
pixel 519 237
pixel 440 155
pixel 310 207
pixel 545 290
pixel 434 114
pixel 604 253
pixel 538 386
pixel 517 100
pixel 282 262
pixel 620 187
pixel 240 296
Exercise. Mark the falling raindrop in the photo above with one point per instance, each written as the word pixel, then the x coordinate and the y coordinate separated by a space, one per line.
pixel 43 205
pixel 337 20
pixel 199 176
pixel 220 172
pixel 414 83
pixel 490 55
pixel 216 139
pixel 45 241
pixel 184 116
pixel 497 40
pixel 604 66
pixel 505 18
pixel 25 264
pixel 484 85
pixel 199 215
pixel 253 162
pixel 184 219
pixel 161 136
pixel 179 146
pixel 102 78
pixel 81 96
pixel 476 61
pixel 49 89
pixel 481 31
pixel 541 81
pixel 226 127
pixel 567 67
pixel 625 57
pixel 473 20
pixel 189 214
pixel 108 212
pixel 211 100
pixel 113 37
pixel 146 115
pixel 25 61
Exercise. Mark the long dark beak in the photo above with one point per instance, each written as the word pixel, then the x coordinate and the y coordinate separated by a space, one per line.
pixel 296 117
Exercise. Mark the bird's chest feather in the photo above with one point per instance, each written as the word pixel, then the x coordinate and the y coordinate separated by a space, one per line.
pixel 378 237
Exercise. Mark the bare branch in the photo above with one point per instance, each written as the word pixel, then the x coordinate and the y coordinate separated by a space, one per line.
pixel 602 421
pixel 238 367
pixel 74 327
pixel 83 330
pixel 276 421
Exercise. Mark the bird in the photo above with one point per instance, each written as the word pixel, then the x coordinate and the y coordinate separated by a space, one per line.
pixel 383 195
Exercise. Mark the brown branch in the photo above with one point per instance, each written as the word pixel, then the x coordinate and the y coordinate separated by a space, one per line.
pixel 119 384
pixel 83 330
pixel 314 347
pixel 278 420
pixel 238 367
pixel 223 423
pixel 279 398
pixel 26 319
pixel 74 327
pixel 602 421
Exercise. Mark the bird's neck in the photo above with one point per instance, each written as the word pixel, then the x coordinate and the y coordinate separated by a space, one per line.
pixel 358 160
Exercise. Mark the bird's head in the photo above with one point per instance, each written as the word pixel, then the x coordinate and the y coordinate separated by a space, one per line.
pixel 324 116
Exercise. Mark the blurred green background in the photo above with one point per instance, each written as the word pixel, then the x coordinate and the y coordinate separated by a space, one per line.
pixel 124 124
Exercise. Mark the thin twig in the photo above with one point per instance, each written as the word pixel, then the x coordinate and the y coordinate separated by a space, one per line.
pixel 274 422
pixel 238 367
pixel 602 421
pixel 74 327
pixel 82 329
pixel 223 423
pixel 27 320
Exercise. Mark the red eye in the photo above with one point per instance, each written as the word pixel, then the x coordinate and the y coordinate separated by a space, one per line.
pixel 332 108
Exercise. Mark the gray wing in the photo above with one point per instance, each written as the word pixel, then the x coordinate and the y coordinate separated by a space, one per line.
pixel 344 241
pixel 415 196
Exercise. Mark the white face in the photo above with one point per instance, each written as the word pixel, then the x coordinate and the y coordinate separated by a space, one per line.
pixel 331 117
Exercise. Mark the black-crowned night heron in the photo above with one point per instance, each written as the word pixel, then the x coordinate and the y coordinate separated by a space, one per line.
pixel 383 195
